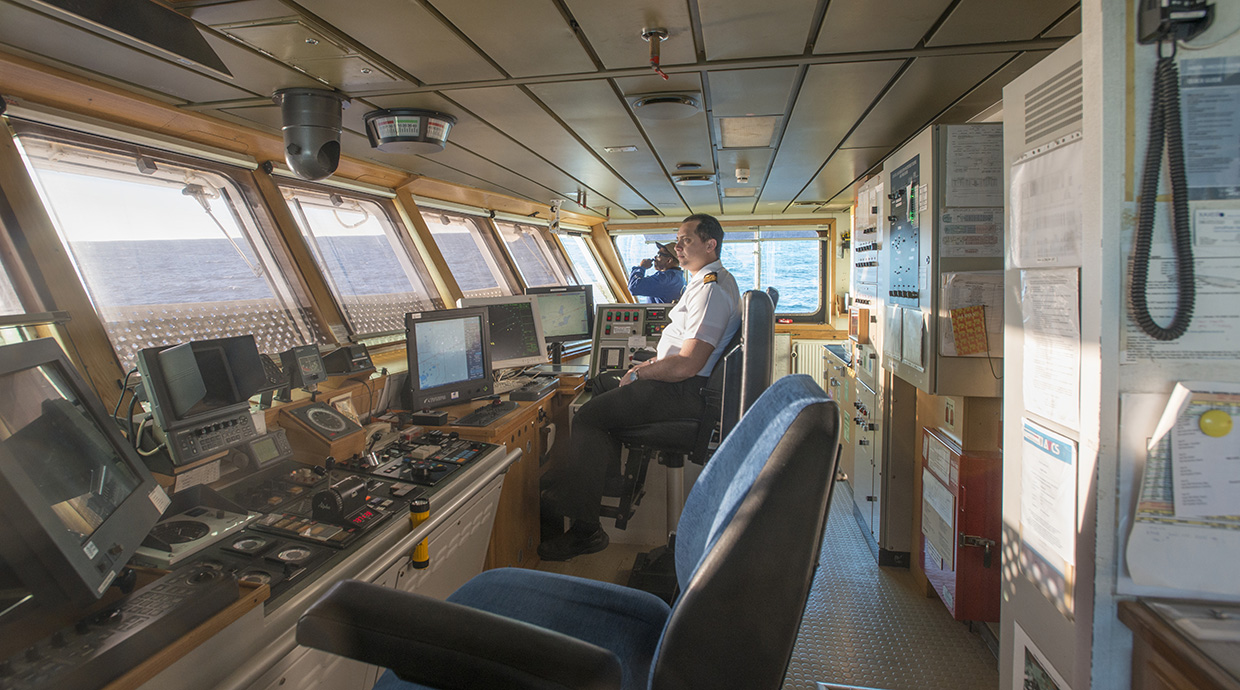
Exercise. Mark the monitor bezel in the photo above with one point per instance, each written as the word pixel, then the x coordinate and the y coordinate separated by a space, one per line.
pixel 532 300
pixel 458 391
pixel 564 289
pixel 56 567
pixel 241 361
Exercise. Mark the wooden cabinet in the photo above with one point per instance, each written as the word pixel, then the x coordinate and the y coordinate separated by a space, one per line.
pixel 1164 658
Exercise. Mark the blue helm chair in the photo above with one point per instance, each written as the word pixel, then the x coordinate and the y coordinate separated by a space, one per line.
pixel 747 547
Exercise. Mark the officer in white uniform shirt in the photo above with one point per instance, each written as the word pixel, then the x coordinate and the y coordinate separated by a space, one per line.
pixel 667 387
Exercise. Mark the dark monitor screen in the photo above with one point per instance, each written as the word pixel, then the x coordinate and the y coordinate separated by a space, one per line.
pixel 449 356
pixel 516 330
pixel 187 381
pixel 76 498
pixel 567 311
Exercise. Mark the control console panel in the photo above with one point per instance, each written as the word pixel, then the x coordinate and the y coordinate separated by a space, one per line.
pixel 620 330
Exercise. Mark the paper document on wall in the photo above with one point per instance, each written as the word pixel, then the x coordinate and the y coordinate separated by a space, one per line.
pixel 965 232
pixel 1216 267
pixel 1172 543
pixel 1046 208
pixel 913 349
pixel 969 289
pixel 893 330
pixel 974 175
pixel 1048 495
pixel 1051 330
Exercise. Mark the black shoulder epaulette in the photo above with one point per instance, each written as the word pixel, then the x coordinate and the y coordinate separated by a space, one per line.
pixel 710 277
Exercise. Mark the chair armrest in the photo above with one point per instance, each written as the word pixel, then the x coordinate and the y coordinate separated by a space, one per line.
pixel 446 645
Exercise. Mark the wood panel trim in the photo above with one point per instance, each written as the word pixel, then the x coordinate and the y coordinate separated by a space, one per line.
pixel 322 304
pixel 420 233
pixel 729 223
pixel 609 260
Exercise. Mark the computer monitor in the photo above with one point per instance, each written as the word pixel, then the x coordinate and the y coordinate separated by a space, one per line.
pixel 449 356
pixel 516 330
pixel 75 497
pixel 188 381
pixel 567 314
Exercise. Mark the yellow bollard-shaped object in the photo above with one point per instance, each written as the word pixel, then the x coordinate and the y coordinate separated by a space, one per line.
pixel 419 510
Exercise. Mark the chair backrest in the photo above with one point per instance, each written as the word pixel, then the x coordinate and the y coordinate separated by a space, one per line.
pixel 748 367
pixel 747 543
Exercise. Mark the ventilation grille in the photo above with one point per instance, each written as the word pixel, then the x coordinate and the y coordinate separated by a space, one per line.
pixel 1056 104
pixel 643 212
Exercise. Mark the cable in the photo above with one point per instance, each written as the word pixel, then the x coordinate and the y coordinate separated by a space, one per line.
pixel 370 404
pixel 1164 126
pixel 133 437
pixel 138 446
pixel 1212 44
pixel 119 400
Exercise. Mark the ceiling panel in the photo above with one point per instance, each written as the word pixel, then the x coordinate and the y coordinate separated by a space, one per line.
pixel 231 12
pixel 992 21
pixel 508 109
pixel 600 118
pixel 614 31
pixel 735 29
pixel 923 91
pixel 254 71
pixel 702 199
pixel 841 171
pixel 1067 27
pixel 854 26
pixel 739 92
pixel 757 161
pixel 28 30
pixel 831 100
pixel 990 91
pixel 407 35
pixel 512 33
pixel 485 141
pixel 677 141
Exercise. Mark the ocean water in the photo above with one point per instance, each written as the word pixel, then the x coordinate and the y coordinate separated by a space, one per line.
pixel 137 272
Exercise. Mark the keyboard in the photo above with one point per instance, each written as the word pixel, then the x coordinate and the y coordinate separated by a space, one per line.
pixel 510 384
pixel 536 388
pixel 104 645
pixel 483 416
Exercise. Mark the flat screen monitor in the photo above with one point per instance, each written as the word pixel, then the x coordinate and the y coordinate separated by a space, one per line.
pixel 567 311
pixel 185 382
pixel 75 497
pixel 449 356
pixel 516 330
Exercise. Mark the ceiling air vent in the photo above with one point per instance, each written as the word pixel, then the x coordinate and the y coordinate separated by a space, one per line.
pixel 665 106
pixel 695 180
pixel 643 212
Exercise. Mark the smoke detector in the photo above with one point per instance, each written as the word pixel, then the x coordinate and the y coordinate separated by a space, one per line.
pixel 666 106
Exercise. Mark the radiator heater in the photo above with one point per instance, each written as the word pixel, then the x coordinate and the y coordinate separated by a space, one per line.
pixel 807 358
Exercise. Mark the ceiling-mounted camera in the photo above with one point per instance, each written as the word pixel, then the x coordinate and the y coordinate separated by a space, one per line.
pixel 311 124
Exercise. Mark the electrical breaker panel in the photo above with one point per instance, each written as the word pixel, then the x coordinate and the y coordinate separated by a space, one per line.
pixel 939 276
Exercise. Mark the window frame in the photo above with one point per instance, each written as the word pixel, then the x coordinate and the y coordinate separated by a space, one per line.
pixel 592 254
pixel 756 229
pixel 399 230
pixel 308 325
pixel 490 246
pixel 557 263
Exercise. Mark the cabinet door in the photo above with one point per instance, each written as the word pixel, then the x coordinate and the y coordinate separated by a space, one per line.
pixel 514 541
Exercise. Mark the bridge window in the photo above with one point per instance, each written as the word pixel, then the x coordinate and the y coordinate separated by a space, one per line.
pixel 469 252
pixel 791 261
pixel 374 275
pixel 587 268
pixel 532 253
pixel 166 245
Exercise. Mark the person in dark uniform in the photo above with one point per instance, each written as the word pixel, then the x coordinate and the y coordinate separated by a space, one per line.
pixel 666 387
pixel 668 281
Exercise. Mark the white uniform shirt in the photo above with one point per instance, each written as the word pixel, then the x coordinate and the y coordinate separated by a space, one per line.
pixel 707 311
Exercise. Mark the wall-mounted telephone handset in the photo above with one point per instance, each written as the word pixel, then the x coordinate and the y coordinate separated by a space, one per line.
pixel 1166 21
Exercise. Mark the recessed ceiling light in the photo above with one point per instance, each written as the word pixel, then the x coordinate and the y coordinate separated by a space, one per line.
pixel 699 180
pixel 740 191
pixel 665 106
pixel 620 149
pixel 747 132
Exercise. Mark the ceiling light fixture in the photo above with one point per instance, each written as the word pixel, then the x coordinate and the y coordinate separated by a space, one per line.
pixel 688 166
pixel 666 106
pixel 408 130
pixel 747 132
pixel 696 180
pixel 620 149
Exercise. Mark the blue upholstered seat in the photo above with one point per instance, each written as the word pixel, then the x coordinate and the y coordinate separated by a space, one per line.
pixel 746 551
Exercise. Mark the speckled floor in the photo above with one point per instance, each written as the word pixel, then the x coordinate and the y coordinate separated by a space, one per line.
pixel 870 627
pixel 865 627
